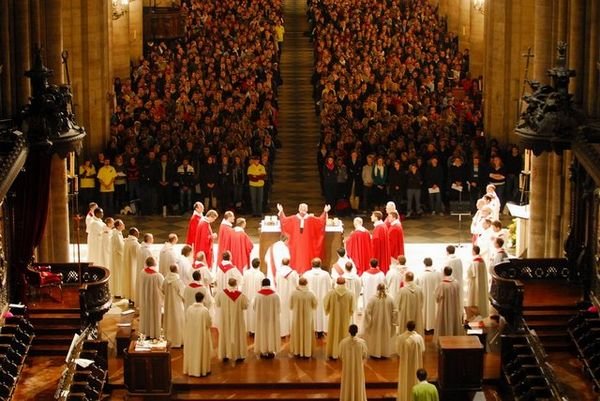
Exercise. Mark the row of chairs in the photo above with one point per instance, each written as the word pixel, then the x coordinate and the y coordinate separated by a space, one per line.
pixel 584 330
pixel 16 336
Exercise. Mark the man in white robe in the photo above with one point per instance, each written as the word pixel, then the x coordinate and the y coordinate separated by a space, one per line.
pixel 150 299
pixel 449 320
pixel 338 305
pixel 409 304
pixel 231 304
pixel 184 262
pixel 118 269
pixel 168 255
pixel 303 303
pixel 319 282
pixel 353 352
pixel 174 316
pixel 275 254
pixel 225 271
pixel 410 346
pixel 287 281
pixel 339 267
pixel 378 325
pixel 131 248
pixel 371 278
pixel 197 339
pixel 253 278
pixel 477 283
pixel 395 277
pixel 94 238
pixel 429 281
pixel 354 285
pixel 208 277
pixel 107 231
pixel 196 286
pixel 456 264
pixel 145 251
pixel 89 217
pixel 267 307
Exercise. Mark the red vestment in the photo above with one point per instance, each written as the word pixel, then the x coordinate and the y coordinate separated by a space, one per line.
pixel 240 247
pixel 396 235
pixel 204 240
pixel 381 246
pixel 304 244
pixel 359 249
pixel 223 240
pixel 191 232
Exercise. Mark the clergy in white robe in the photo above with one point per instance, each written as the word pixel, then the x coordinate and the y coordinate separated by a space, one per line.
pixel 354 285
pixel 168 255
pixel 196 286
pixel 225 271
pixel 339 267
pixel 319 282
pixel 145 251
pixel 197 339
pixel 150 299
pixel 429 281
pixel 395 277
pixel 409 304
pixel 131 248
pixel 477 283
pixel 353 352
pixel 208 277
pixel 184 262
pixel 89 217
pixel 253 278
pixel 303 303
pixel 449 320
pixel 338 305
pixel 94 238
pixel 371 278
pixel 231 304
pixel 456 264
pixel 410 346
pixel 275 254
pixel 378 325
pixel 107 231
pixel 267 307
pixel 118 269
pixel 174 316
pixel 287 281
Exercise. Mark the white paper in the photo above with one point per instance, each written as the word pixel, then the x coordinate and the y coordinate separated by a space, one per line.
pixel 72 347
pixel 84 363
pixel 434 190
pixel 474 331
pixel 128 312
pixel 457 187
pixel 123 324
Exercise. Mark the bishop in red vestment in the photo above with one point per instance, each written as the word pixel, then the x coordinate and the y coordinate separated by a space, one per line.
pixel 396 236
pixel 358 246
pixel 306 235
pixel 204 236
pixel 225 233
pixel 241 245
pixel 381 241
pixel 193 224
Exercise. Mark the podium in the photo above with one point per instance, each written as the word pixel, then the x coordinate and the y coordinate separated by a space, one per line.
pixel 148 373
pixel 460 367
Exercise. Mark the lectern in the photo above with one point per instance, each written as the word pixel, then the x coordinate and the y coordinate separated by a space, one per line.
pixel 460 366
pixel 148 372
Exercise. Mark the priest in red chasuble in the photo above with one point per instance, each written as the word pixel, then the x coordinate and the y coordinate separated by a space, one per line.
pixel 306 235
pixel 193 224
pixel 205 237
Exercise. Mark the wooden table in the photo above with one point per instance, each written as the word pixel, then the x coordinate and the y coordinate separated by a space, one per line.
pixel 333 241
pixel 460 366
pixel 148 373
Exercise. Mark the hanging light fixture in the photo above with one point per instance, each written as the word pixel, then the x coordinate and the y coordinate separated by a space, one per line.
pixel 479 6
pixel 119 8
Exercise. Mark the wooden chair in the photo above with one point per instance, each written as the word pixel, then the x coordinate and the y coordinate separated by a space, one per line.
pixel 40 277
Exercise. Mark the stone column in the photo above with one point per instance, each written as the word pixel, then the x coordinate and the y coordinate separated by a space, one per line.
pixel 55 243
pixel 565 221
pixel 22 51
pixel 537 206
pixel 576 48
pixel 590 89
pixel 561 19
pixel 464 24
pixel 53 39
pixel 6 60
pixel 476 42
pixel 453 15
pixel 136 31
pixel 542 39
pixel 554 200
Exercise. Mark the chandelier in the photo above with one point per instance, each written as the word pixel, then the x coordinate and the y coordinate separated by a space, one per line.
pixel 119 8
pixel 479 6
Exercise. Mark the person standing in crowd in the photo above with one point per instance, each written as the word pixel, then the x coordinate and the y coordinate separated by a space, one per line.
pixel 429 280
pixel 225 190
pixel 396 184
pixel 150 176
pixel 231 304
pixel 353 352
pixel 174 316
pixel 380 178
pixel 252 281
pixel 256 176
pixel 513 168
pixel 150 299
pixel 434 178
pixel 338 305
pixel 449 314
pixel 367 183
pixel 359 246
pixel 497 177
pixel 120 183
pixel 267 307
pixel 185 183
pixel 409 304
pixel 330 173
pixel 286 282
pixel 197 339
pixel 238 181
pixel 378 324
pixel 106 177
pixel 354 166
pixel 424 391
pixel 209 181
pixel 133 184
pixel 413 191
pixel 410 346
pixel 87 183
pixel 303 303
pixel 476 182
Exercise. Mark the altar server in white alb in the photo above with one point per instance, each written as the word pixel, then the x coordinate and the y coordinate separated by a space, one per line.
pixel 107 231
pixel 253 278
pixel 267 308
pixel 131 249
pixel 174 316
pixel 394 277
pixel 287 281
pixel 429 280
pixel 379 330
pixel 353 352
pixel 339 267
pixel 231 304
pixel 145 251
pixel 197 339
pixel 410 347
pixel 168 255
pixel 338 306
pixel 225 271
pixel 275 254
pixel 184 262
pixel 94 238
pixel 409 304
pixel 319 282
pixel 371 278
pixel 354 285
pixel 118 270
pixel 449 321
pixel 303 304
pixel 151 298
pixel 196 286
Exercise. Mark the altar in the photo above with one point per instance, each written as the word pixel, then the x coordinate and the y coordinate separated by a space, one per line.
pixel 270 232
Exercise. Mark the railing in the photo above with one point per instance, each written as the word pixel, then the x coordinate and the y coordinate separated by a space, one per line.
pixel 94 294
pixel 506 296
pixel 73 273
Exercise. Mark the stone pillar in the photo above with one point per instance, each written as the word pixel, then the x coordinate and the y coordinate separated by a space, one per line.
pixel 561 19
pixel 476 43
pixel 37 22
pixel 590 89
pixel 554 200
pixel 464 24
pixel 453 15
pixel 6 60
pixel 55 243
pixel 53 39
pixel 537 206
pixel 542 38
pixel 22 51
pixel 136 31
pixel 565 221
pixel 576 48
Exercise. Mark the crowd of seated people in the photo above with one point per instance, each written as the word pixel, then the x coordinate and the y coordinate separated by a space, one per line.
pixel 399 112
pixel 193 112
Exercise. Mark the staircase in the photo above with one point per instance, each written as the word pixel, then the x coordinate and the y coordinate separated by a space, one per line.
pixel 54 330
pixel 550 325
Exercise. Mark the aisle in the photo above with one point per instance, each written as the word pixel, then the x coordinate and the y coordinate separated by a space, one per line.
pixel 296 175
